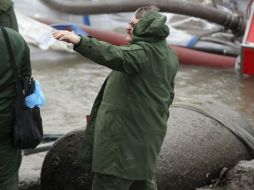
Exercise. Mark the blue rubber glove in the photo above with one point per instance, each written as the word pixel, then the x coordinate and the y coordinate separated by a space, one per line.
pixel 37 98
pixel 72 27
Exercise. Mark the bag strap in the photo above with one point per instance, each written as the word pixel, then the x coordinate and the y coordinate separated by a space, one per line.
pixel 12 60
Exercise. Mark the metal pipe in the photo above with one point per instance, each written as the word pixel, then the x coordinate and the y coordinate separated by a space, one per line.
pixel 40 148
pixel 51 137
pixel 236 23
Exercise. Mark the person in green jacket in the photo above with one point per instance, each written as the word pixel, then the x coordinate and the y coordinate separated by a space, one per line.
pixel 10 157
pixel 128 121
pixel 7 15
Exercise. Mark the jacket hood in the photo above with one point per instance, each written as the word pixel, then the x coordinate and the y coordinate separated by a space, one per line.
pixel 151 28
pixel 5 5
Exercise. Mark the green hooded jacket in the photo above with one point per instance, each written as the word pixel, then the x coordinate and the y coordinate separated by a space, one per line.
pixel 129 117
pixel 10 157
pixel 7 15
pixel 7 78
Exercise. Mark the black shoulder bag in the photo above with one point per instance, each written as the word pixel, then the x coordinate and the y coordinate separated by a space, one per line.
pixel 27 131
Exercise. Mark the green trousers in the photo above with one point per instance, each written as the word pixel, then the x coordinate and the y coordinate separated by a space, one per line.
pixel 109 182
pixel 10 157
pixel 8 19
pixel 10 160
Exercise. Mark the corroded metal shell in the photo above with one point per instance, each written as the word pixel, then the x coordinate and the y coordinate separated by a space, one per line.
pixel 194 151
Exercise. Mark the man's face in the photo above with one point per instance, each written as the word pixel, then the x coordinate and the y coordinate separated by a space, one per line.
pixel 131 27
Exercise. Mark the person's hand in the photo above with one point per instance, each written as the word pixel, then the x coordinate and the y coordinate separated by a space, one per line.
pixel 67 36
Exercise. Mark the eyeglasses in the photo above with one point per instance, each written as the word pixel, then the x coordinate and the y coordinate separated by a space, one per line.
pixel 132 24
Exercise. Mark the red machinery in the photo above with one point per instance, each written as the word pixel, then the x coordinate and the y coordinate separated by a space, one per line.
pixel 247 54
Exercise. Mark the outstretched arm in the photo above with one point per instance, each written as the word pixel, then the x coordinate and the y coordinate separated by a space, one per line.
pixel 67 36
pixel 127 59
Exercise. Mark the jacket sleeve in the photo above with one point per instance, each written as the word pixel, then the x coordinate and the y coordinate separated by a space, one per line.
pixel 172 92
pixel 25 67
pixel 127 59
